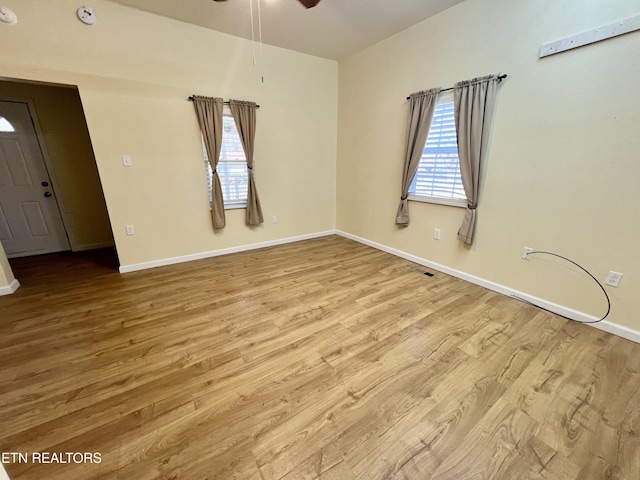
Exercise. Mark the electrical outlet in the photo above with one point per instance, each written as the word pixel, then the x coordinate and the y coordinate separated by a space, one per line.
pixel 130 230
pixel 613 279
pixel 126 160
pixel 526 252
pixel 436 233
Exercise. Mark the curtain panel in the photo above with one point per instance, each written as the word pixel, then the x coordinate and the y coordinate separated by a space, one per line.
pixel 422 105
pixel 244 114
pixel 209 113
pixel 474 104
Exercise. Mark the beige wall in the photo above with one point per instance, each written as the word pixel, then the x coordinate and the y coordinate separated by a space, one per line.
pixel 563 170
pixel 74 173
pixel 134 72
pixel 6 275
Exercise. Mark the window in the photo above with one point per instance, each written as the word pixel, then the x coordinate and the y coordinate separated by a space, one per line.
pixel 5 126
pixel 232 166
pixel 438 177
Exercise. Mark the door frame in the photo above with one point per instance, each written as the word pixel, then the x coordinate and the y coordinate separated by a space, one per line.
pixel 47 164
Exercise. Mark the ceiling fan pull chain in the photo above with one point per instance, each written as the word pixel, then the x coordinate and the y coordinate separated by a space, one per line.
pixel 253 39
pixel 260 30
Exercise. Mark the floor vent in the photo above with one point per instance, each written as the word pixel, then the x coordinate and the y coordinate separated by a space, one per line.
pixel 424 272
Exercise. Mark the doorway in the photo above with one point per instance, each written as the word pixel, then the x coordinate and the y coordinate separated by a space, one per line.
pixel 58 152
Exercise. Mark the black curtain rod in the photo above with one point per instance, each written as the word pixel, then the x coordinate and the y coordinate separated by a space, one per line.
pixel 501 77
pixel 226 103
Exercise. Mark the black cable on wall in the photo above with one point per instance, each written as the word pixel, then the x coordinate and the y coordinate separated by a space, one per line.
pixel 585 271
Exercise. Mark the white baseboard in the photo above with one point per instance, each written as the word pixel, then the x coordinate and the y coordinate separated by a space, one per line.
pixel 8 290
pixel 610 327
pixel 92 246
pixel 223 251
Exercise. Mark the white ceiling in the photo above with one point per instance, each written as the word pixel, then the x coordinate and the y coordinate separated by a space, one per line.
pixel 334 29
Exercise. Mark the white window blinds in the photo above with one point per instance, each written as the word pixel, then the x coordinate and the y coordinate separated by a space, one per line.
pixel 438 175
pixel 232 166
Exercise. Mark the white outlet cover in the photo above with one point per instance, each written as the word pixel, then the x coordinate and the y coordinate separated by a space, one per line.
pixel 613 279
pixel 526 252
pixel 86 16
pixel 7 16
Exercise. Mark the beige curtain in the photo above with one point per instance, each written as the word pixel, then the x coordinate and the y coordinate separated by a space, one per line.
pixel 209 112
pixel 244 114
pixel 421 108
pixel 474 106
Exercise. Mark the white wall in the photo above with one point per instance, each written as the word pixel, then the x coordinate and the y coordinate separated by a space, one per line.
pixel 134 72
pixel 563 169
pixel 3 473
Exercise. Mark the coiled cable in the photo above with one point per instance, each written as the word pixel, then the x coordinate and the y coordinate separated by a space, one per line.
pixel 585 271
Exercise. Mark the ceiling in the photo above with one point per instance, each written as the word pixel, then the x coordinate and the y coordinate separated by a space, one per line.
pixel 334 29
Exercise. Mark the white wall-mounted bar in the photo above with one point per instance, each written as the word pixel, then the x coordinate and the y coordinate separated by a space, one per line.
pixel 620 27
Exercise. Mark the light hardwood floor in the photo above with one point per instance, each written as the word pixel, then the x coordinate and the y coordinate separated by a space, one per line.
pixel 319 360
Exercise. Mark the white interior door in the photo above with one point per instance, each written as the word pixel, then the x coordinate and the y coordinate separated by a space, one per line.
pixel 30 221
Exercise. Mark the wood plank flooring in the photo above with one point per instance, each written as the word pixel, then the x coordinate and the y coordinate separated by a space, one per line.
pixel 319 360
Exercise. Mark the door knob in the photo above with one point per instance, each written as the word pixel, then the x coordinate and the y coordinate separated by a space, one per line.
pixel 45 184
pixel 47 194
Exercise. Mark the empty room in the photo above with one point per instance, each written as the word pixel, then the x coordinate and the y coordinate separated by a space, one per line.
pixel 319 240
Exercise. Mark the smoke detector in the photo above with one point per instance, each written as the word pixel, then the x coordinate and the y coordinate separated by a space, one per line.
pixel 86 16
pixel 7 16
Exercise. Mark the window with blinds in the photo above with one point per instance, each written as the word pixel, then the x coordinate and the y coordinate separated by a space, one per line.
pixel 438 178
pixel 232 166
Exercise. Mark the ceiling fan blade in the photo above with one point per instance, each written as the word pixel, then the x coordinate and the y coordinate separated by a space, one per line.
pixel 306 3
pixel 309 3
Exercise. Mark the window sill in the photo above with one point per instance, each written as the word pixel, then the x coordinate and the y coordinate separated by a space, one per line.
pixel 235 206
pixel 440 201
